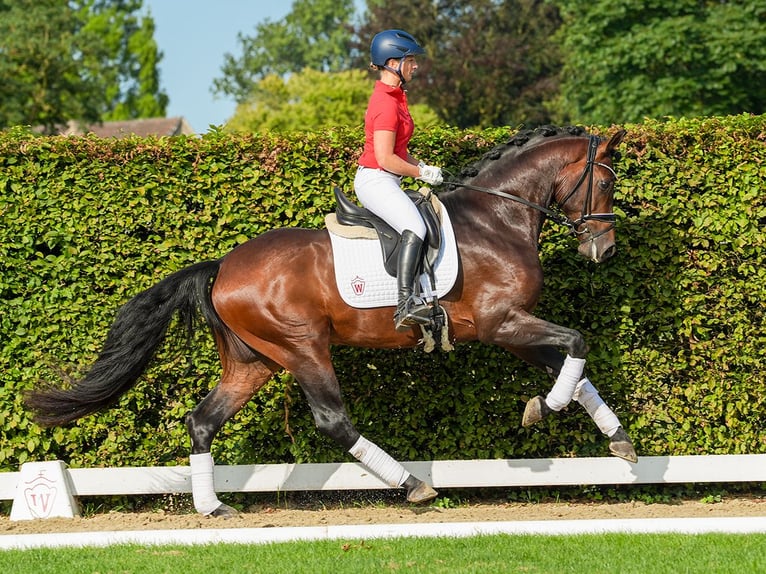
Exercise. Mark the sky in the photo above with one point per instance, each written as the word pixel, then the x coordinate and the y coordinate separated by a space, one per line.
pixel 193 36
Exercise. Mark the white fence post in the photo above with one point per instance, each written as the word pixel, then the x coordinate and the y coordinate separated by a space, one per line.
pixel 44 490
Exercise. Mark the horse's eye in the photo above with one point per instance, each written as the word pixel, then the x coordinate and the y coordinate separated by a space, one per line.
pixel 604 184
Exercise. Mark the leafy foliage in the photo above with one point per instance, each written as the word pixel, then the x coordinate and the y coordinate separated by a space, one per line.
pixel 676 321
pixel 501 75
pixel 630 60
pixel 307 100
pixel 310 101
pixel 315 34
pixel 488 63
pixel 87 61
pixel 530 62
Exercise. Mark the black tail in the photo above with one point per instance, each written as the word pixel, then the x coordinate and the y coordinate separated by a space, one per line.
pixel 131 343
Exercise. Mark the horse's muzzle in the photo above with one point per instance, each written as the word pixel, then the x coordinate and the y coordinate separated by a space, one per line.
pixel 607 253
pixel 598 249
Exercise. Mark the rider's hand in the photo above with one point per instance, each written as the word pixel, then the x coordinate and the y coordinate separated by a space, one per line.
pixel 430 174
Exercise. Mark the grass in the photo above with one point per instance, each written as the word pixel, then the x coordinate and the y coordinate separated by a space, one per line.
pixel 594 554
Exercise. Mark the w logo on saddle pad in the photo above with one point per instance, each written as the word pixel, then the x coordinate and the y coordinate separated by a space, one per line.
pixel 361 277
pixel 357 286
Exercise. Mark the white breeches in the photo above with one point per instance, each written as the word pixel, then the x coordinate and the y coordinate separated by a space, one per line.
pixel 381 192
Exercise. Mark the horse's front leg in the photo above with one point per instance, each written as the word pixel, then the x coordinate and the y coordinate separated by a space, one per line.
pixel 538 342
pixel 537 408
pixel 620 444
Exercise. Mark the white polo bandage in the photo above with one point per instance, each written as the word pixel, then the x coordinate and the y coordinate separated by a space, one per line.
pixel 564 388
pixel 203 489
pixel 380 463
pixel 605 419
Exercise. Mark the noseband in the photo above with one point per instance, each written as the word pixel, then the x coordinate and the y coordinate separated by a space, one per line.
pixel 585 214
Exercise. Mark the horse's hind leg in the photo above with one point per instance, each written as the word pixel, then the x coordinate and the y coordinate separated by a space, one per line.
pixel 316 377
pixel 585 393
pixel 239 382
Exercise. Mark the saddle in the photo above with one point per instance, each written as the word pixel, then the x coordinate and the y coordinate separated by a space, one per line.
pixel 360 222
pixel 348 213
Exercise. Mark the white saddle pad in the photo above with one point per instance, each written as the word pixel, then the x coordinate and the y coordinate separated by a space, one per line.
pixel 363 281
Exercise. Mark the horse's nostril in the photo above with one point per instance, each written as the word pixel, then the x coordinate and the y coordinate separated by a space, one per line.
pixel 609 252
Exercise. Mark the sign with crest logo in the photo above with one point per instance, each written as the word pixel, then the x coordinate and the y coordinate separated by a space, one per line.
pixel 43 492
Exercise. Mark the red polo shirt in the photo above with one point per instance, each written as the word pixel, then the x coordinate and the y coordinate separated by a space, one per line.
pixel 388 111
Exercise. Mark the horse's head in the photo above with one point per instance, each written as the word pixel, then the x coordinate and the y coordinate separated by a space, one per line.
pixel 573 171
pixel 584 190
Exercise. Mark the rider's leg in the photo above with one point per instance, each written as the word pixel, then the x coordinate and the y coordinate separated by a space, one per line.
pixel 380 192
pixel 410 310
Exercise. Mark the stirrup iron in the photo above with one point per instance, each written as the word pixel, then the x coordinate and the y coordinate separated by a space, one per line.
pixel 410 313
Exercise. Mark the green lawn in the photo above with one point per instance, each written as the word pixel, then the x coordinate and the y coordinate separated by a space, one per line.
pixel 591 554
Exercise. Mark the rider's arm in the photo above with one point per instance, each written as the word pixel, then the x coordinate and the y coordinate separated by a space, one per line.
pixel 383 144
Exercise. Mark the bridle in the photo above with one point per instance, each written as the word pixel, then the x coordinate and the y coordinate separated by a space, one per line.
pixel 585 214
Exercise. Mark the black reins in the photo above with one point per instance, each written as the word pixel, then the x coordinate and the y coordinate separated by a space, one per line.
pixel 585 215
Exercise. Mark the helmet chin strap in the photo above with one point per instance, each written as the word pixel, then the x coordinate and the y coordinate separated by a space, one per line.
pixel 398 72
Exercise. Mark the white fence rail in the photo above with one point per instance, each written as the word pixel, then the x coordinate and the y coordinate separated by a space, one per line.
pixel 441 474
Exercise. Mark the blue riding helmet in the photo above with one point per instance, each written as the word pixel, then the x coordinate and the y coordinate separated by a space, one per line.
pixel 393 44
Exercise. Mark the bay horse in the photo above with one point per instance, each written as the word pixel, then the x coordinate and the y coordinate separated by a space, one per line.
pixel 272 303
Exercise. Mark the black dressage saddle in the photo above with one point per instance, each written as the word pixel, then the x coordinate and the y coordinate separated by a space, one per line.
pixel 348 213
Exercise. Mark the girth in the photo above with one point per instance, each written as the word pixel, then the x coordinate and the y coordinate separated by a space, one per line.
pixel 348 213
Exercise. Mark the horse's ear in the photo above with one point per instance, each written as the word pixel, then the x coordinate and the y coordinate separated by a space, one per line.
pixel 615 140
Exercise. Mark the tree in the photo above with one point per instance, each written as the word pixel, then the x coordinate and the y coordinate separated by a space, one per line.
pixel 135 55
pixel 304 100
pixel 488 62
pixel 315 34
pixel 86 61
pixel 311 100
pixel 630 60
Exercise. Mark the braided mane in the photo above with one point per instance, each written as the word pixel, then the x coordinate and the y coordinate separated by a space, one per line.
pixel 519 143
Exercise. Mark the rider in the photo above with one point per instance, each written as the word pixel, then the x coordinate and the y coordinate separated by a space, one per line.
pixel 388 128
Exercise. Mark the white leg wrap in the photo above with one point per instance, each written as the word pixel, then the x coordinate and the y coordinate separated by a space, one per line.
pixel 605 419
pixel 380 463
pixel 562 391
pixel 203 490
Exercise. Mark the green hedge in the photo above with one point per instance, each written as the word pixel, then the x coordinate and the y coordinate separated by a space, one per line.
pixel 675 320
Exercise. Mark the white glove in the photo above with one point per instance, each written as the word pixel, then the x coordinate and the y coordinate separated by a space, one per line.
pixel 430 174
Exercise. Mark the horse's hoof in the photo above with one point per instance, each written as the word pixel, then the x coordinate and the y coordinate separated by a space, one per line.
pixel 535 411
pixel 621 446
pixel 224 511
pixel 421 493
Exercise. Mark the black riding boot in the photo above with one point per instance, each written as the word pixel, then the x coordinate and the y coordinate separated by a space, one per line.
pixel 410 310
